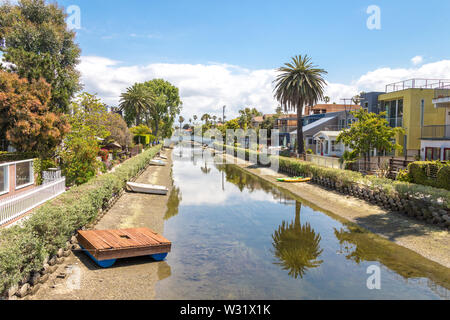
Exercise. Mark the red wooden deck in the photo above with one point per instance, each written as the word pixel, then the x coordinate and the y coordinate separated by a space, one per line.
pixel 126 243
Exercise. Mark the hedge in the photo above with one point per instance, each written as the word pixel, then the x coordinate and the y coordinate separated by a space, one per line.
pixel 430 173
pixel 424 195
pixel 16 156
pixel 23 248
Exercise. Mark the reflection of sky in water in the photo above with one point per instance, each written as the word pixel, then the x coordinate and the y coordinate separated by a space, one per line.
pixel 222 245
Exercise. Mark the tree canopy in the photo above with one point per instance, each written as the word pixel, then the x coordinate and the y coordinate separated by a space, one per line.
pixel 299 83
pixel 25 120
pixel 36 43
pixel 368 132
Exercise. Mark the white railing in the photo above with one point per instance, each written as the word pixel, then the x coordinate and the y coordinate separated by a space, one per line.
pixel 50 176
pixel 15 206
pixel 329 162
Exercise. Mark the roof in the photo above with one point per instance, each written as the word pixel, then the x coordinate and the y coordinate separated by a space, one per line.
pixel 258 119
pixel 315 124
pixel 328 134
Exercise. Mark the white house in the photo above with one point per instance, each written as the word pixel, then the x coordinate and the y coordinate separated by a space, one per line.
pixel 326 144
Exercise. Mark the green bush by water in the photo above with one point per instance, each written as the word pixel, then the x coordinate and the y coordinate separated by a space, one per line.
pixel 346 178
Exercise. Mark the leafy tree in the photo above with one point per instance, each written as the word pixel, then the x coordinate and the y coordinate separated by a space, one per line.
pixel 326 99
pixel 141 130
pixel 299 83
pixel 81 144
pixel 37 44
pixel 118 130
pixel 368 132
pixel 167 102
pixel 25 119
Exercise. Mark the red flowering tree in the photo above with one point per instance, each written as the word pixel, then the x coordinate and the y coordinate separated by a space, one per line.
pixel 25 119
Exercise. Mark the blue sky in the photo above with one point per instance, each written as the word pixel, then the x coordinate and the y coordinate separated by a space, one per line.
pixel 262 35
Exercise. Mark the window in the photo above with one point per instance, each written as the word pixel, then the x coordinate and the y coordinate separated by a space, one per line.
pixel 447 154
pixel 4 181
pixel 335 147
pixel 24 174
pixel 432 154
pixel 422 111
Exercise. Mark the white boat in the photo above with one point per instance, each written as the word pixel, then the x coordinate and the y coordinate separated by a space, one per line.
pixel 163 157
pixel 147 188
pixel 157 162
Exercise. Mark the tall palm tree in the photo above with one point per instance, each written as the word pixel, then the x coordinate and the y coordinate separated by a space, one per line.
pixel 297 247
pixel 136 102
pixel 206 117
pixel 299 83
pixel 215 118
pixel 195 118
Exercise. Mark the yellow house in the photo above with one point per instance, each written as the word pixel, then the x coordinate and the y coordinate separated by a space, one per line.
pixel 409 104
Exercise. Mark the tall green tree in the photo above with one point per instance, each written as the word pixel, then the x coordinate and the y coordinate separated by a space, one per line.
pixel 299 83
pixel 36 43
pixel 167 102
pixel 206 117
pixel 136 102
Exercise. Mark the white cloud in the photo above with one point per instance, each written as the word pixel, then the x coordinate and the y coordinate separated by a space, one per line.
pixel 417 60
pixel 207 87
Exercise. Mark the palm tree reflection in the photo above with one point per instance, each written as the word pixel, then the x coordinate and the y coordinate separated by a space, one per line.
pixel 297 247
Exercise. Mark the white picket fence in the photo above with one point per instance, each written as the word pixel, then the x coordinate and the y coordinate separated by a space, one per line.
pixel 15 206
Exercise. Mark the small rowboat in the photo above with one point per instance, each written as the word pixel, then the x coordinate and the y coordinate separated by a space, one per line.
pixel 294 179
pixel 147 188
pixel 158 162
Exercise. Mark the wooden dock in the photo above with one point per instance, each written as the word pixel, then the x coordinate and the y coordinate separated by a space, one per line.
pixel 105 246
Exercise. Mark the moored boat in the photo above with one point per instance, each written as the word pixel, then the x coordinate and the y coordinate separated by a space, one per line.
pixel 147 188
pixel 157 162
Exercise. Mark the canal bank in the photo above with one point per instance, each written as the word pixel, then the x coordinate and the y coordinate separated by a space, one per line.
pixel 428 241
pixel 78 278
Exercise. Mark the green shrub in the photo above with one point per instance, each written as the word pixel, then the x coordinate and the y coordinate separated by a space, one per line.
pixel 23 248
pixel 430 173
pixel 404 176
pixel 346 178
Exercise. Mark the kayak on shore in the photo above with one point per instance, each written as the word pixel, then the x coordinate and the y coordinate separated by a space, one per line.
pixel 294 179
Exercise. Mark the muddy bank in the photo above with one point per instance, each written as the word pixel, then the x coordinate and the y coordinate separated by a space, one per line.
pixel 78 278
pixel 430 242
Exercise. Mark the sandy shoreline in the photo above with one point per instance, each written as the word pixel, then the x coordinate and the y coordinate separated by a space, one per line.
pixel 128 279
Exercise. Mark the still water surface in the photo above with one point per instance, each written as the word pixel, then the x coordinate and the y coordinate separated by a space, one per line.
pixel 236 237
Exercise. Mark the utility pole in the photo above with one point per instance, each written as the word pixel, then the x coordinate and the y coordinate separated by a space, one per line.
pixel 223 115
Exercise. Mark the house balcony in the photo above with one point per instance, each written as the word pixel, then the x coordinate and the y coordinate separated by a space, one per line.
pixel 441 132
pixel 442 97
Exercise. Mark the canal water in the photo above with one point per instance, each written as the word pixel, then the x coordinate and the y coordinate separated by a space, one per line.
pixel 237 237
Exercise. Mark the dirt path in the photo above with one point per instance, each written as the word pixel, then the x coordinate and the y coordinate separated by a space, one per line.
pixel 128 279
pixel 431 242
